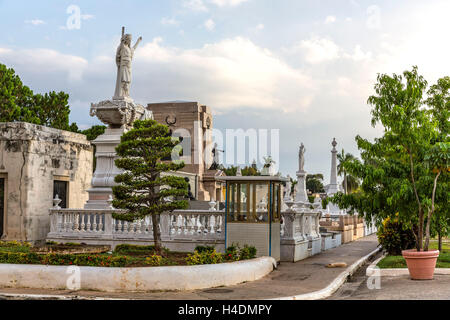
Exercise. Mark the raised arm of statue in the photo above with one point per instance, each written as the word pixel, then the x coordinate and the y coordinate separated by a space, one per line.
pixel 137 43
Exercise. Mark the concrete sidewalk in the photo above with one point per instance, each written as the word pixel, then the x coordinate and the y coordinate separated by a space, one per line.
pixel 289 279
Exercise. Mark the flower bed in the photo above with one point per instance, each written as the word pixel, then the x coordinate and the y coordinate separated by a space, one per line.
pixel 123 256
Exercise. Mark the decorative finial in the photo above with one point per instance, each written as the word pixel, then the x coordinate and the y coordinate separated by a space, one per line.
pixel 334 143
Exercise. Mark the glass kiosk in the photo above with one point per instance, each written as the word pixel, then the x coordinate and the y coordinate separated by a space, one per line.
pixel 253 205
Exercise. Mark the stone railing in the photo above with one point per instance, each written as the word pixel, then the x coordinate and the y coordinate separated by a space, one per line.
pixel 181 230
pixel 300 233
pixel 300 225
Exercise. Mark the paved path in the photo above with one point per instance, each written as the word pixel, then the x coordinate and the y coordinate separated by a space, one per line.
pixel 289 279
pixel 394 288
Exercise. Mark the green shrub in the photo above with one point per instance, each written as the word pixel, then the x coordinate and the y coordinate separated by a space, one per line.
pixel 247 252
pixel 236 253
pixel 154 260
pixel 14 243
pixel 85 260
pixel 232 254
pixel 71 244
pixel 205 248
pixel 204 257
pixel 132 248
pixel 394 237
pixel 19 258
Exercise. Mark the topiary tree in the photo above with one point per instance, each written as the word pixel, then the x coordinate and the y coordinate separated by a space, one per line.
pixel 142 189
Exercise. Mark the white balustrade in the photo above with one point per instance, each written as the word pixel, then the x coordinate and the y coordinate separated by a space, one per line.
pixel 178 225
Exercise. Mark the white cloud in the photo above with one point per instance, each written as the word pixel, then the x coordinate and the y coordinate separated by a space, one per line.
pixel 223 3
pixel 330 19
pixel 317 50
pixel 260 26
pixel 170 22
pixel 210 24
pixel 87 16
pixel 195 5
pixel 35 22
pixel 359 55
pixel 45 62
pixel 228 74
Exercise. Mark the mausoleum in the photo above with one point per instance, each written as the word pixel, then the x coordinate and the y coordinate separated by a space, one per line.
pixel 36 164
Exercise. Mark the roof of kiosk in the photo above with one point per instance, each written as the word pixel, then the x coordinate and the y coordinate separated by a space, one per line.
pixel 252 178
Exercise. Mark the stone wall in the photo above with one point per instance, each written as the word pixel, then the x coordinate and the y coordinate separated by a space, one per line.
pixel 193 122
pixel 32 157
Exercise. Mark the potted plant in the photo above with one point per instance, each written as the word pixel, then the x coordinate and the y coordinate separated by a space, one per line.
pixel 406 170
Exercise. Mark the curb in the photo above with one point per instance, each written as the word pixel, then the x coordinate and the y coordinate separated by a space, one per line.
pixel 128 280
pixel 316 295
pixel 50 297
pixel 396 272
pixel 335 285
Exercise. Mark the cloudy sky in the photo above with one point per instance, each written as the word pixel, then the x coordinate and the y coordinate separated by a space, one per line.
pixel 305 67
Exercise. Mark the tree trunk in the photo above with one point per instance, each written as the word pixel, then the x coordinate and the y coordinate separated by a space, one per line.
pixel 430 213
pixel 156 233
pixel 439 238
pixel 419 243
pixel 345 183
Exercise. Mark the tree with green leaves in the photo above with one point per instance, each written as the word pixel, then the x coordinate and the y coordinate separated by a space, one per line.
pixel 314 183
pixel 246 171
pixel 406 170
pixel 142 189
pixel 93 132
pixel 343 158
pixel 19 103
pixel 352 183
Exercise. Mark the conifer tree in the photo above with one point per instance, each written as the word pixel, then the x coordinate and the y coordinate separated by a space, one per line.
pixel 142 188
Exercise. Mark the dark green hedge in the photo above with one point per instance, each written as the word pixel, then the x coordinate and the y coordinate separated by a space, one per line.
pixel 64 259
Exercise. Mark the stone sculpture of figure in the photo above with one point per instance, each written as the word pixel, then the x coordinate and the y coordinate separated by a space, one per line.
pixel 301 158
pixel 216 153
pixel 268 166
pixel 124 57
pixel 189 196
pixel 287 195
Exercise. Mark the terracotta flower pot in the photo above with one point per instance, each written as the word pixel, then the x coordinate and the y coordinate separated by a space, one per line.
pixel 421 264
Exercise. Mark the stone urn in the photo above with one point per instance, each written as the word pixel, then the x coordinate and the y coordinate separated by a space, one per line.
pixel 421 264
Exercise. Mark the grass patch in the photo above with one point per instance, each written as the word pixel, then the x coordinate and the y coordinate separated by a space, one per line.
pixel 399 262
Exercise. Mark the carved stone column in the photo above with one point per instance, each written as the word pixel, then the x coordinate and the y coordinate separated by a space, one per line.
pixel 119 115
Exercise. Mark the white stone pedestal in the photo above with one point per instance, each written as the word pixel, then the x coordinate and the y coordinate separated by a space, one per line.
pixel 119 115
pixel 105 170
pixel 301 195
